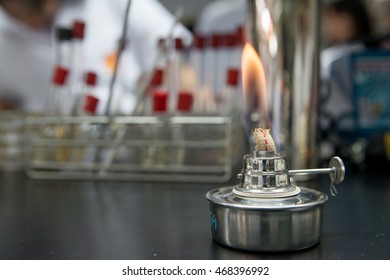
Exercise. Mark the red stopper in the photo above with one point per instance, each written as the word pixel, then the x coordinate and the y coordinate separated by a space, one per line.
pixel 90 78
pixel 90 104
pixel 216 41
pixel 230 40
pixel 159 101
pixel 232 77
pixel 78 29
pixel 184 101
pixel 157 78
pixel 60 75
pixel 199 41
pixel 179 44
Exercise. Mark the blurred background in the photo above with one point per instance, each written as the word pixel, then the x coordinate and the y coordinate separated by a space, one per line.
pixel 314 72
pixel 368 148
pixel 378 9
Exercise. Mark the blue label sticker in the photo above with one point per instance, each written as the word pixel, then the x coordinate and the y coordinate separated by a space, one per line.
pixel 213 221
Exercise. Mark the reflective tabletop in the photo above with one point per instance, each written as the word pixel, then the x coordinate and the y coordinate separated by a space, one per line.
pixel 128 220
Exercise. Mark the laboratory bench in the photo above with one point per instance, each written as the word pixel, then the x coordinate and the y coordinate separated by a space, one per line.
pixel 43 219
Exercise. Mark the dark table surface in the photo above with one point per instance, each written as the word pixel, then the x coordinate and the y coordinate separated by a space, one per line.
pixel 127 220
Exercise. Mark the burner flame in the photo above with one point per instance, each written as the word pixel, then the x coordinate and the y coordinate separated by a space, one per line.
pixel 254 84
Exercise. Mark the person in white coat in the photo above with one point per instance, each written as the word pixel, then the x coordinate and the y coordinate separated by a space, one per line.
pixel 27 46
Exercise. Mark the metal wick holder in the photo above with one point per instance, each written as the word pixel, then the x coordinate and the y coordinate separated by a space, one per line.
pixel 265 175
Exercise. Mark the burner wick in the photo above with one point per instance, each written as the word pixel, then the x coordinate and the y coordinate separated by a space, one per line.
pixel 263 140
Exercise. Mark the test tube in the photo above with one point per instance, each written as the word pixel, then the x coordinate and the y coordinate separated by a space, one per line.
pixel 88 103
pixel 197 61
pixel 86 106
pixel 184 106
pixel 220 68
pixel 231 93
pixel 86 131
pixel 78 31
pixel 63 53
pixel 52 107
pixel 57 99
pixel 155 154
pixel 63 50
pixel 211 68
pixel 238 47
pixel 162 60
pixel 230 59
pixel 175 65
pixel 226 58
pixel 57 103
pixel 155 84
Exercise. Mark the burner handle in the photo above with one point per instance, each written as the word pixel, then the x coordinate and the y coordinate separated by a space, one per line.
pixel 336 170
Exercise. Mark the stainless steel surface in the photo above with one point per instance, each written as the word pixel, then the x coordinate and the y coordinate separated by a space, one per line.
pixel 266 225
pixel 265 174
pixel 266 211
pixel 307 198
pixel 311 171
pixel 336 170
pixel 285 34
pixel 338 165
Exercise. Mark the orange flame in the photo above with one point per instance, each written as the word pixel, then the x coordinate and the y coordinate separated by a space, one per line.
pixel 254 83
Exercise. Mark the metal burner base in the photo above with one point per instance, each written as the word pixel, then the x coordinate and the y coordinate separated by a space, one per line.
pixel 264 224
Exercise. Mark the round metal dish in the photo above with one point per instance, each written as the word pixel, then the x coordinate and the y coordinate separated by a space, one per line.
pixel 266 224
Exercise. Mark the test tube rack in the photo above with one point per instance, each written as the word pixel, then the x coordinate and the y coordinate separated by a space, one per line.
pixel 135 148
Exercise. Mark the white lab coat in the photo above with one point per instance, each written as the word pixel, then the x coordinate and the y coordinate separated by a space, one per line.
pixel 27 56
